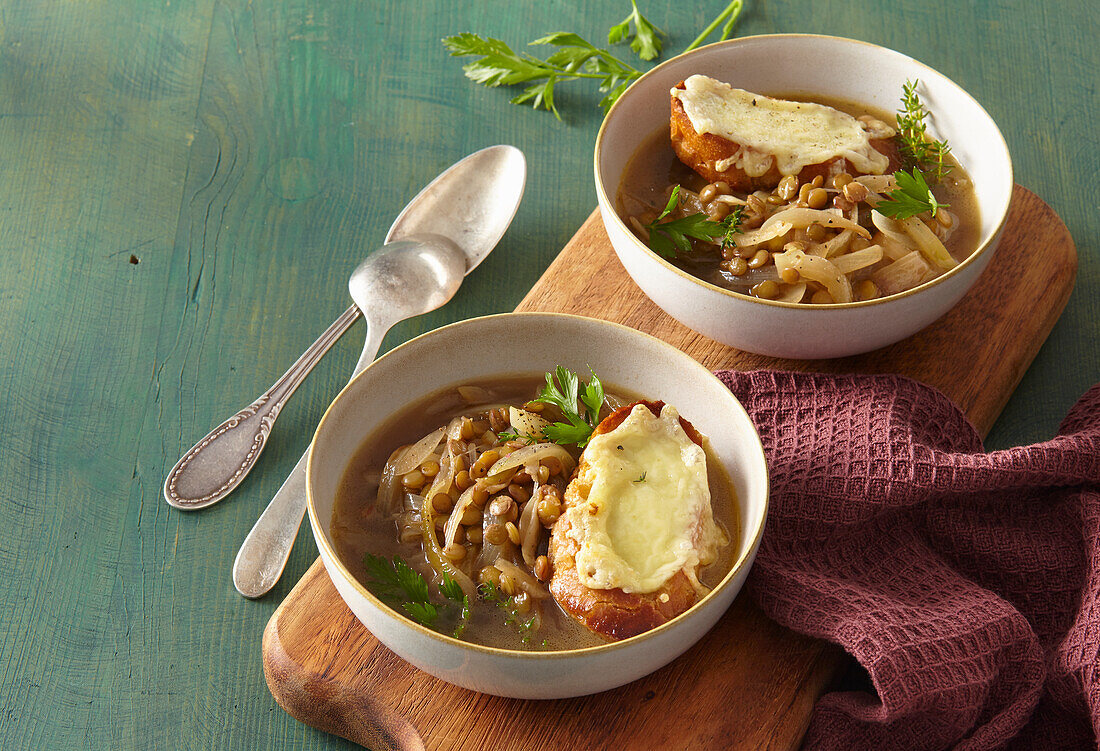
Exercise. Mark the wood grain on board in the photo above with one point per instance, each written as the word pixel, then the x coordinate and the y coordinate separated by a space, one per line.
pixel 749 683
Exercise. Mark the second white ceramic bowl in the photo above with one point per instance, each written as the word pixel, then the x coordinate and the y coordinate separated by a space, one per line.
pixel 521 343
pixel 793 64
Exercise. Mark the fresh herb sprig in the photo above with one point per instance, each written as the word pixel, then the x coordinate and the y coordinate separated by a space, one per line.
pixel 647 37
pixel 912 197
pixel 402 587
pixel 489 591
pixel 575 59
pixel 669 239
pixel 916 147
pixel 511 435
pixel 496 64
pixel 562 390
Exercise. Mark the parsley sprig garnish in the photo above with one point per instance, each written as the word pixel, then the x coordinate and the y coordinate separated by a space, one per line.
pixel 669 239
pixel 574 59
pixel 647 37
pixel 562 390
pixel 912 197
pixel 496 64
pixel 916 147
pixel 403 588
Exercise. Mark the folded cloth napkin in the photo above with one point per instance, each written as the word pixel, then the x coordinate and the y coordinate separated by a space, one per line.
pixel 966 583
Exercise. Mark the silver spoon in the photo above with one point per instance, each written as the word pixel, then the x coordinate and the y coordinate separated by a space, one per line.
pixel 217 464
pixel 466 209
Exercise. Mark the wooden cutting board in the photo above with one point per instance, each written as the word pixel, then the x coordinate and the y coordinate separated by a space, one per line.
pixel 749 683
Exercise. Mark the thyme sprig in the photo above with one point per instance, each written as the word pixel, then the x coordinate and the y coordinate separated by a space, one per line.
pixel 489 591
pixel 916 147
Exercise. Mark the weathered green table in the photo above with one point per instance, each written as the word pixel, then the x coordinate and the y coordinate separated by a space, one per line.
pixel 188 184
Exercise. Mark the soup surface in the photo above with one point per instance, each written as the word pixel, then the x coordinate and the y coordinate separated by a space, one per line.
pixel 361 526
pixel 896 261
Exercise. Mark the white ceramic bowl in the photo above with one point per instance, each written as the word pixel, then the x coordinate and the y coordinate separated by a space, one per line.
pixel 520 343
pixel 804 64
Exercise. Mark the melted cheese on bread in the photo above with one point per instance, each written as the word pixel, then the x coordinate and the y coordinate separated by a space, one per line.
pixel 648 512
pixel 794 134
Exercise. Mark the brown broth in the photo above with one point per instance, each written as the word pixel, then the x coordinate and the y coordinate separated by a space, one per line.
pixel 654 167
pixel 357 529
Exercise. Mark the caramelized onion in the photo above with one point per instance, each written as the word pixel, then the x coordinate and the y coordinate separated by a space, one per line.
pixel 388 486
pixel 858 259
pixel 804 217
pixel 434 553
pixel 877 183
pixel 836 245
pixel 450 530
pixel 792 293
pixel 816 269
pixel 473 394
pixel 770 231
pixel 928 243
pixel 526 581
pixel 415 455
pixel 893 230
pixel 534 453
pixel 526 423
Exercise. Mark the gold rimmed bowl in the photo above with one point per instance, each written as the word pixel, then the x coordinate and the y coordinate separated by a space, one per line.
pixel 813 66
pixel 533 343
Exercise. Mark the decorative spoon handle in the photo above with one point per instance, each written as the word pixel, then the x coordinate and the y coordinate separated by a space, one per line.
pixel 220 461
pixel 264 553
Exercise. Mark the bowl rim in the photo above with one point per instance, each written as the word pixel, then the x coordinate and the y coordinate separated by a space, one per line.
pixel 981 250
pixel 749 551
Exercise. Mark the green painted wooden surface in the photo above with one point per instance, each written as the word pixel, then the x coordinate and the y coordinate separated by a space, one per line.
pixel 246 155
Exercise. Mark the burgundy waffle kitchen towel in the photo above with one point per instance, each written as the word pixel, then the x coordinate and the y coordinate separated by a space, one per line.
pixel 966 583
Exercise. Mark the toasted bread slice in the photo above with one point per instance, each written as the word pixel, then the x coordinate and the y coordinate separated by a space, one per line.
pixel 704 152
pixel 612 613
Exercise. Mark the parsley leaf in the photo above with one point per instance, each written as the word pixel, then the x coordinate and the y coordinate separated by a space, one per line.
pixel 423 613
pixel 670 238
pixel 641 478
pixel 916 148
pixel 453 592
pixel 402 587
pixel 647 37
pixel 562 391
pixel 912 197
pixel 592 398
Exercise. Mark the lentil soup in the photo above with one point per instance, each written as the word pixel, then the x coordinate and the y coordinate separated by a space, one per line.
pixel 850 254
pixel 488 532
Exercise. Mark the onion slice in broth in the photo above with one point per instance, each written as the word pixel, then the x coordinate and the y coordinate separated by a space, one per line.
pixel 535 453
pixel 529 583
pixel 804 217
pixel 415 455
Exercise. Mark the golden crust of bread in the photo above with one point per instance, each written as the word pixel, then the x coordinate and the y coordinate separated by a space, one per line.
pixel 703 151
pixel 611 613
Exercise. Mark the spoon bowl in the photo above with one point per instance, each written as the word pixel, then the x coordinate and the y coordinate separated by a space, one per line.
pixel 403 279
